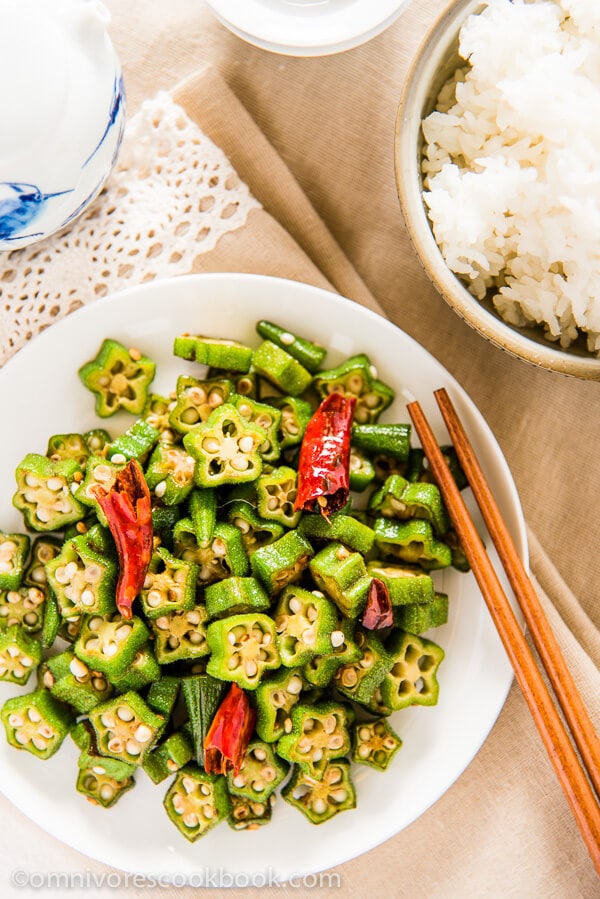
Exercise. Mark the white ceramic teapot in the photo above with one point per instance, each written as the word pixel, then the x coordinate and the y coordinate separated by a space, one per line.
pixel 62 108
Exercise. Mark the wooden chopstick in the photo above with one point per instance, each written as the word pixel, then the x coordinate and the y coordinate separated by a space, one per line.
pixel 564 759
pixel 542 634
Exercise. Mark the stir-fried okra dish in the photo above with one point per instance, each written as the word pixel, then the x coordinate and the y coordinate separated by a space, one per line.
pixel 231 595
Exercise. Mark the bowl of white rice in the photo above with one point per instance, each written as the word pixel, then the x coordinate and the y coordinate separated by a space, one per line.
pixel 497 154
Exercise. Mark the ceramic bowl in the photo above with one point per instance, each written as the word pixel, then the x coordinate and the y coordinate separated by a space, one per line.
pixel 62 118
pixel 435 62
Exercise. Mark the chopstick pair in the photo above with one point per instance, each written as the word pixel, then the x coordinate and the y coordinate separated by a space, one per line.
pixel 566 763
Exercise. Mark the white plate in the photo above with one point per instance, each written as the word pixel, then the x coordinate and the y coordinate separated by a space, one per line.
pixel 307 27
pixel 40 395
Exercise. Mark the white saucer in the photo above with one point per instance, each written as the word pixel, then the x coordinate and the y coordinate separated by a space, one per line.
pixel 307 27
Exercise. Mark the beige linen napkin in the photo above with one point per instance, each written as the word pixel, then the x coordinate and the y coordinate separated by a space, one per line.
pixel 507 805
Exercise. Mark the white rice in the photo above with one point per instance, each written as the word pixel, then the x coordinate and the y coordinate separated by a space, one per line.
pixel 512 164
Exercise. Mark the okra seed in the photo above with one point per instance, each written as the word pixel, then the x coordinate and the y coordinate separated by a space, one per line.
pixel 107 720
pixel 342 553
pixel 12 651
pixel 171 765
pixel 92 644
pixel 98 769
pixel 239 781
pixel 42 514
pixel 173 642
pixel 195 638
pixel 243 525
pixel 260 754
pixel 135 354
pixel 48 680
pixel 16 720
pixel 349 677
pixel 246 444
pixel 205 790
pixel 240 463
pixel 304 745
pixel 317 755
pixel 99 684
pixel 125 713
pixel 106 792
pixel 55 484
pixel 336 742
pixel 94 624
pixel 132 747
pixel 308 636
pixel 219 548
pixel 178 804
pixel 160 489
pixel 364 733
pixel 361 415
pixel 339 795
pixel 333 776
pixel 389 743
pixel 231 638
pixel 211 445
pixel 233 662
pixel 39 742
pixel 30 619
pixel 162 623
pixel 87 597
pixel 193 618
pixel 190 819
pixel 364 751
pixel 294 686
pixel 329 724
pixel 123 632
pixel 319 806
pixel 154 598
pixel 287 725
pixel 5 567
pixel 251 668
pixel 322 501
pixel 143 733
pixel 110 649
pixel 337 639
pixel 266 639
pixel 278 699
pixel 78 668
pixel 115 745
pixel 26 661
pixel 312 613
pixel 295 605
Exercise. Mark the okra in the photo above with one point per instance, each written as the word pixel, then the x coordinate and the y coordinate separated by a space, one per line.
pixel 374 743
pixel 168 757
pixel 202 507
pixel 276 494
pixel 242 648
pixel 143 670
pixel 356 377
pixel 197 400
pixel 412 541
pixel 304 622
pixel 309 354
pixel 319 733
pixel 223 557
pixel 320 669
pixel 196 801
pixel 181 635
pixel 320 800
pixel 24 607
pixel 406 584
pixel 235 596
pixel 82 579
pixel 358 680
pixel 267 418
pixel 416 618
pixel 80 687
pixel 99 472
pixel 170 585
pixel 399 498
pixel 14 550
pixel 135 443
pixel 119 378
pixel 343 576
pixel 249 814
pixel 68 446
pixel 214 351
pixel 339 527
pixel 110 644
pixel 295 415
pixel 226 448
pixel 202 694
pixel 20 654
pixel 170 474
pixel 260 773
pixel 156 412
pixel 280 368
pixel 255 531
pixel 101 789
pixel 282 562
pixel 412 678
pixel 391 440
pixel 36 722
pixel 362 470
pixel 275 697
pixel 44 494
pixel 126 728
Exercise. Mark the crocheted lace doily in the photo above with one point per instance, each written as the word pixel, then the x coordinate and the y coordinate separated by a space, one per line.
pixel 172 195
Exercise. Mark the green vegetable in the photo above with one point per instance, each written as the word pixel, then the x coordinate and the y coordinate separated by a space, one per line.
pixel 119 378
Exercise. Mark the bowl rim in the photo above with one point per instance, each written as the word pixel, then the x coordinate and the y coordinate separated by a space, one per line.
pixel 439 38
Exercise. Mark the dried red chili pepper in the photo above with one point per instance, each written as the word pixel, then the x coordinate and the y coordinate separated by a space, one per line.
pixel 229 734
pixel 128 510
pixel 324 464
pixel 378 611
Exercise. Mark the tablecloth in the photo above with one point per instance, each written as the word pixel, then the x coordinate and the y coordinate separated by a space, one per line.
pixel 326 126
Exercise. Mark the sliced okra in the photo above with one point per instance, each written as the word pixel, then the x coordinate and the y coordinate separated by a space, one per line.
pixel 224 556
pixel 43 550
pixel 280 368
pixel 82 579
pixel 168 758
pixel 295 415
pixel 275 696
pixel 36 722
pixel 399 498
pixel 390 439
pixel 320 800
pixel 101 789
pixel 96 440
pixel 417 618
pixel 282 562
pixel 44 492
pixel 358 680
pixel 181 635
pixel 68 446
pixel 339 527
pixel 412 678
pixel 196 400
pixel 80 687
pixel 135 443
pixel 170 584
pixel 99 472
pixel 235 596
pixel 143 670
pixel 362 470
pixel 202 507
pixel 24 607
pixel 309 354
pixel 164 519
pixel 20 654
pixel 374 743
pixel 255 531
pixel 266 417
pixel 119 378
pixel 276 494
pixel 260 772
pixel 226 448
pixel 52 620
pixel 242 648
pixel 196 801
pixel 162 695
pixel 202 695
pixel 249 814
pixel 357 377
pixel 156 412
pixel 213 351
pixel 304 622
pixel 406 584
pixel 320 732
pixel 459 557
pixel 244 383
pixel 320 669
pixel 420 470
pixel 110 644
pixel 126 728
pixel 90 759
pixel 170 473
pixel 14 550
pixel 343 576
pixel 412 541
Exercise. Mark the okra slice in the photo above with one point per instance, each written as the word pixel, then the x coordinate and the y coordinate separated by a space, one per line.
pixel 244 383
pixel 96 440
pixel 235 596
pixel 225 555
pixel 412 678
pixel 82 579
pixel 304 622
pixel 260 773
pixel 181 635
pixel 52 620
pixel 163 694
pixel 36 722
pixel 420 471
pixel 44 492
pixel 110 644
pixel 143 670
pixel 358 680
pixel 196 400
pixel 320 732
pixel 68 446
pixel 419 617
pixel 275 697
pixel 43 550
pixel 343 576
pixel 276 494
pixel 249 814
pixel 170 584
pixel 399 498
pixel 14 550
pixel 267 418
pixel 170 474
pixel 202 507
pixel 309 354
pixel 362 470
pixel 320 669
pixel 164 519
pixel 295 415
pixel 23 607
pixel 20 654
pixel 168 758
pixel 196 802
pixel 374 743
pixel 255 531
pixel 126 728
pixel 389 439
pixel 459 557
pixel 135 443
pixel 119 378
pixel 202 694
pixel 226 448
pixel 156 412
pixel 213 351
pixel 91 760
pixel 339 527
pixel 99 472
pixel 242 648
pixel 412 541
pixel 80 687
pixel 280 368
pixel 406 584
pixel 101 789
pixel 320 800
pixel 357 377
pixel 282 562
